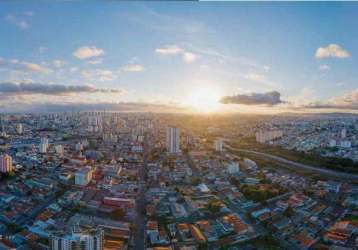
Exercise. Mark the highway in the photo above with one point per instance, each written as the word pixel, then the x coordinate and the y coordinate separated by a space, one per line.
pixel 295 165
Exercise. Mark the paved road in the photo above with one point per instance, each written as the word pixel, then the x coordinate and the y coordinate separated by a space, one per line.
pixel 139 235
pixel 295 165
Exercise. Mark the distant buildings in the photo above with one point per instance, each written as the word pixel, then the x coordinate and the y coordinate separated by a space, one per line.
pixel 173 140
pixel 218 145
pixel 83 176
pixel 84 240
pixel 266 136
pixel 5 163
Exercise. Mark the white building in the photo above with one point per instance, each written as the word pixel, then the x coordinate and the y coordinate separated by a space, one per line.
pixel 269 135
pixel 79 146
pixel 343 133
pixel 218 144
pixel 233 168
pixel 19 128
pixel 84 240
pixel 173 140
pixel 5 163
pixel 332 143
pixel 43 145
pixel 83 176
pixel 346 144
pixel 59 150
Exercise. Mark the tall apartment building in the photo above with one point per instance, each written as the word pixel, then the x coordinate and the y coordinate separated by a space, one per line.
pixel 5 163
pixel 173 140
pixel 78 240
pixel 268 135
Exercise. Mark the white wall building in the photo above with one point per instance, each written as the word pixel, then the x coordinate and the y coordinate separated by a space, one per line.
pixel 43 145
pixel 233 168
pixel 269 135
pixel 218 144
pixel 85 240
pixel 83 176
pixel 5 163
pixel 173 140
pixel 19 128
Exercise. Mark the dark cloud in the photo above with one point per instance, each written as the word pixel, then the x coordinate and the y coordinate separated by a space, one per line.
pixel 268 98
pixel 49 89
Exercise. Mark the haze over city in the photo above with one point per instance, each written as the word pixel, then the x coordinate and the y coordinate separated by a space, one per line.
pixel 179 57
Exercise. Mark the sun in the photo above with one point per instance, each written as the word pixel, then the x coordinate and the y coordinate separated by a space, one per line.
pixel 203 99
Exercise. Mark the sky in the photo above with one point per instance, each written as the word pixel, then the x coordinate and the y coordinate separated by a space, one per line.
pixel 202 57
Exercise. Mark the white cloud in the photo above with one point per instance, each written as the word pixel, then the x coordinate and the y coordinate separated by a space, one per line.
pixel 42 49
pixel 332 50
pixel 96 61
pixel 255 77
pixel 58 63
pixel 189 57
pixel 36 68
pixel 171 50
pixel 86 52
pixel 21 20
pixel 133 68
pixel 101 75
pixel 324 67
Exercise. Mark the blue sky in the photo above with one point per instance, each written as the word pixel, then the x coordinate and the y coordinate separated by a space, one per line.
pixel 162 52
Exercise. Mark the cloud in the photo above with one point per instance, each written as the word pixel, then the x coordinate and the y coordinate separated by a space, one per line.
pixel 42 49
pixel 172 50
pixel 98 75
pixel 49 89
pixel 86 52
pixel 36 68
pixel 255 77
pixel 96 61
pixel 20 20
pixel 132 68
pixel 189 57
pixel 58 63
pixel 15 64
pixel 169 50
pixel 332 50
pixel 268 98
pixel 21 106
pixel 347 101
pixel 324 67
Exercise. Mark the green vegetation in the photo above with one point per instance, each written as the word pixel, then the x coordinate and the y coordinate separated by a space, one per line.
pixel 309 158
pixel 351 217
pixel 214 206
pixel 258 195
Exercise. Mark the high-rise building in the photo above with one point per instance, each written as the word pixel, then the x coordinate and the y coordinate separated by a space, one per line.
pixel 173 140
pixel 19 128
pixel 43 145
pixel 343 133
pixel 5 163
pixel 268 135
pixel 218 144
pixel 78 240
pixel 83 176
pixel 59 150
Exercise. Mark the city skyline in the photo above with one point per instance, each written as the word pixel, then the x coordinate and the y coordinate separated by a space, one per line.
pixel 177 57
